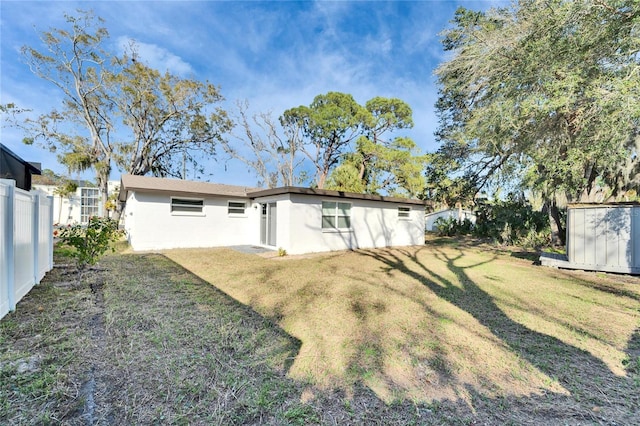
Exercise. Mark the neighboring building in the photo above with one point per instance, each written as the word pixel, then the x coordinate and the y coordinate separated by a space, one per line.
pixel 14 167
pixel 458 214
pixel 79 206
pixel 171 213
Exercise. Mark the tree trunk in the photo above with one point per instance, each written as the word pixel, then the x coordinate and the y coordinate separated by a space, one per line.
pixel 102 178
pixel 117 213
pixel 558 232
pixel 321 180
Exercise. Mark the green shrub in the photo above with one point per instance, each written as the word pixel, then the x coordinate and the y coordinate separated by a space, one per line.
pixel 512 222
pixel 507 222
pixel 445 226
pixel 90 241
pixel 449 226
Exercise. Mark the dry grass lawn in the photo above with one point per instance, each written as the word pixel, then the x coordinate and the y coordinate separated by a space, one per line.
pixel 440 322
pixel 448 333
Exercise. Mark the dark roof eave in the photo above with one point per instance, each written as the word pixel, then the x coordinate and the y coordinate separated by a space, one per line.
pixel 332 193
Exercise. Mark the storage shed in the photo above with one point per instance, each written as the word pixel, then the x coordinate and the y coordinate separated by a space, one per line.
pixel 601 237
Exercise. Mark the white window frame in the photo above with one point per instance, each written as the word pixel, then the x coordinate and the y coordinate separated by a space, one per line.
pixel 89 203
pixel 335 216
pixel 235 210
pixel 195 207
pixel 404 212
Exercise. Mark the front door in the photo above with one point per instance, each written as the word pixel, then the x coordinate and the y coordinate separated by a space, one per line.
pixel 268 224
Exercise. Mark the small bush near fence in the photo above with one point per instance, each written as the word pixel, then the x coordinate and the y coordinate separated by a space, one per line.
pixel 508 222
pixel 90 241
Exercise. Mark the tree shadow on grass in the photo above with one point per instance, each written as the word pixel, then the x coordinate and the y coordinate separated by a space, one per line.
pixel 593 387
pixel 190 351
pixel 551 356
pixel 288 346
pixel 589 280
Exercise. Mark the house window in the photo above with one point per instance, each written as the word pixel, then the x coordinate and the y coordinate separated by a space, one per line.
pixel 404 212
pixel 186 205
pixel 336 215
pixel 237 207
pixel 89 203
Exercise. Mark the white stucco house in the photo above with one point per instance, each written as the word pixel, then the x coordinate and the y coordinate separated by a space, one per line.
pixel 79 206
pixel 169 213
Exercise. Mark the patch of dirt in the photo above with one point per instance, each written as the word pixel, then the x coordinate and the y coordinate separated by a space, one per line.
pixel 29 364
pixel 95 377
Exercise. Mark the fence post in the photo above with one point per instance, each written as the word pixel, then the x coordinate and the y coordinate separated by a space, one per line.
pixel 35 243
pixel 51 232
pixel 8 242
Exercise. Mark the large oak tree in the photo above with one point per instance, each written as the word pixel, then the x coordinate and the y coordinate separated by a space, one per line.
pixel 547 93
pixel 116 109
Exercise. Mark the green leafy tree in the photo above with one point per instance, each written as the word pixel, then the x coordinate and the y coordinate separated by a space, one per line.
pixel 395 167
pixel 350 148
pixel 328 125
pixel 386 164
pixel 546 89
pixel 346 177
pixel 172 120
pixel 445 189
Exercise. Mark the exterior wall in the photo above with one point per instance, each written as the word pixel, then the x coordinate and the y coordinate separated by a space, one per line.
pixel 68 210
pixel 373 224
pixel 283 215
pixel 604 238
pixel 151 225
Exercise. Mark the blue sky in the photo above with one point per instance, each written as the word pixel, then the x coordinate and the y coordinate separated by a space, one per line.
pixel 275 55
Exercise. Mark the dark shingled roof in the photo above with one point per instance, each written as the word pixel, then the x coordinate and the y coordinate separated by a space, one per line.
pixel 177 186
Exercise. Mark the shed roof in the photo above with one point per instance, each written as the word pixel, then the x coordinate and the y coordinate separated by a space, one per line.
pixel 603 205
pixel 179 186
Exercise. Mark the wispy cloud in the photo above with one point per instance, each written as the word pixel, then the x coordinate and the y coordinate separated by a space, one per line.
pixel 155 56
pixel 277 55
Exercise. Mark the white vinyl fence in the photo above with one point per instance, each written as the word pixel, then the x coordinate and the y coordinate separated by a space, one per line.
pixel 26 242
